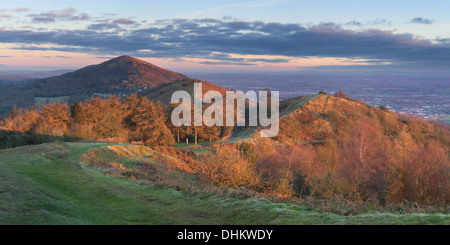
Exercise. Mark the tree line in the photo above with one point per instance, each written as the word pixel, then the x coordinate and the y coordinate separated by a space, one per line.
pixel 131 119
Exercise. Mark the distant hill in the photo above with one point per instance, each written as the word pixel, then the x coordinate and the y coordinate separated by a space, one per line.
pixel 163 93
pixel 21 75
pixel 121 75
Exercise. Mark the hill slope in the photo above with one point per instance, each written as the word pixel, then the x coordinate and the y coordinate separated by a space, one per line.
pixel 164 92
pixel 121 75
pixel 38 188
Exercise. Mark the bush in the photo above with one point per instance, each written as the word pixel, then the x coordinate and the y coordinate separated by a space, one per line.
pixel 226 166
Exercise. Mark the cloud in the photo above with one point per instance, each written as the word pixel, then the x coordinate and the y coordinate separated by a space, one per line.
pixel 229 60
pixel 67 14
pixel 5 16
pixel 103 26
pixel 226 63
pixel 381 22
pixel 123 21
pixel 353 23
pixel 215 39
pixel 377 22
pixel 420 20
pixel 21 9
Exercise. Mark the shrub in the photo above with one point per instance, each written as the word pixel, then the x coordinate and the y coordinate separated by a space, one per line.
pixel 226 166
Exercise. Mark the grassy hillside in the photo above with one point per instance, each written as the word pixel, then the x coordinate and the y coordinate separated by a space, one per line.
pixel 163 93
pixel 47 184
pixel 121 75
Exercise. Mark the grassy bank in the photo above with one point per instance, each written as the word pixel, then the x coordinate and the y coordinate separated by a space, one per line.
pixel 40 185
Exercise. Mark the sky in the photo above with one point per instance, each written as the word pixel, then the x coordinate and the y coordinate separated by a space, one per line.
pixel 228 35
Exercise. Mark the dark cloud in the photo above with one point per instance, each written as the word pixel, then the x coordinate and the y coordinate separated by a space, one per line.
pixel 215 39
pixel 68 14
pixel 443 40
pixel 420 20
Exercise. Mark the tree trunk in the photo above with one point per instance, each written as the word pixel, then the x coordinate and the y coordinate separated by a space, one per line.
pixel 195 130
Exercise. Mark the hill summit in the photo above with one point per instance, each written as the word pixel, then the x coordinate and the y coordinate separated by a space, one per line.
pixel 123 74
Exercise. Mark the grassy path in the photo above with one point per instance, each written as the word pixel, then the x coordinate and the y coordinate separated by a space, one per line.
pixel 38 188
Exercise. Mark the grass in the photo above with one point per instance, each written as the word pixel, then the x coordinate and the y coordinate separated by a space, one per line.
pixel 36 188
pixel 201 147
pixel 288 106
pixel 295 103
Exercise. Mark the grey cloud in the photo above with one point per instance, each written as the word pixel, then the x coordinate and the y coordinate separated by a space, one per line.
pixel 379 22
pixel 420 20
pixel 103 26
pixel 67 14
pixel 353 23
pixel 43 19
pixel 230 60
pixel 214 39
pixel 106 24
pixel 124 21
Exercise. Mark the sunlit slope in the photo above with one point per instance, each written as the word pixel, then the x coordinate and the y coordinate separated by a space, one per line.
pixel 47 184
pixel 163 93
pixel 286 107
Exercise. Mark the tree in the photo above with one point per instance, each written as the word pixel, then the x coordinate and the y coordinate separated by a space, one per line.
pixel 109 124
pixel 290 170
pixel 402 148
pixel 226 166
pixel 53 119
pixel 427 172
pixel 150 122
pixel 77 113
pixel 340 94
pixel 20 120
pixel 363 160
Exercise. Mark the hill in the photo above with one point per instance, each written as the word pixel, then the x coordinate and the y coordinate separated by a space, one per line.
pixel 121 75
pixel 49 184
pixel 164 92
